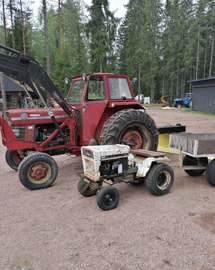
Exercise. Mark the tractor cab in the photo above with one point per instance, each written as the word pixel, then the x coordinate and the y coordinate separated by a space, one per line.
pixel 98 96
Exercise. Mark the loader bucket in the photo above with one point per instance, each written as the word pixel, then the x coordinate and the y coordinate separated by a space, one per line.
pixel 163 140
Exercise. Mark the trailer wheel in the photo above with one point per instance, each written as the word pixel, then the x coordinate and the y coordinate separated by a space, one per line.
pixel 38 170
pixel 159 179
pixel 13 159
pixel 131 125
pixel 89 191
pixel 108 198
pixel 210 173
pixel 189 161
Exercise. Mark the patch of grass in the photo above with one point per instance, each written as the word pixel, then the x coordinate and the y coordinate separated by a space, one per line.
pixel 152 105
pixel 189 110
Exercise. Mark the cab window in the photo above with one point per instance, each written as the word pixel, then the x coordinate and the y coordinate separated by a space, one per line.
pixel 96 89
pixel 118 88
pixel 76 91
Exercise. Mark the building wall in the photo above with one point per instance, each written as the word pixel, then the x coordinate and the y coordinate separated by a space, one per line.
pixel 204 97
pixel 14 101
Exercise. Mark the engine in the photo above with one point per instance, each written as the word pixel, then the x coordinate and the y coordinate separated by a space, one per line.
pixel 107 162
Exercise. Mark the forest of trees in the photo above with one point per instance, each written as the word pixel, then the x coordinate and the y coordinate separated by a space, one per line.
pixel 163 43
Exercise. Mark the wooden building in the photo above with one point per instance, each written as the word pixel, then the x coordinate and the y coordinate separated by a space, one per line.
pixel 203 95
pixel 15 94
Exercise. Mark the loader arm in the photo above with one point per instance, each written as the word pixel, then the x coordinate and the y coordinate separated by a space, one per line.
pixel 28 70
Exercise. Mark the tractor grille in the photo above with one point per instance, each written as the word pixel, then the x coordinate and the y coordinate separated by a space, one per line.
pixel 91 168
pixel 19 132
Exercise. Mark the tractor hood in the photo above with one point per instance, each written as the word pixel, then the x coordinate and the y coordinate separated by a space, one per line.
pixel 34 116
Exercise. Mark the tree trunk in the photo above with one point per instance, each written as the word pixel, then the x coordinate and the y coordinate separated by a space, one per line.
pixel 46 36
pixel 177 85
pixel 197 59
pixel 100 64
pixel 60 25
pixel 3 93
pixel 153 91
pixel 12 27
pixel 23 28
pixel 4 21
pixel 211 59
pixel 205 60
pixel 139 69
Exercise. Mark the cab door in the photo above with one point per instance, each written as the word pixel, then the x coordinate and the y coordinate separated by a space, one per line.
pixel 93 107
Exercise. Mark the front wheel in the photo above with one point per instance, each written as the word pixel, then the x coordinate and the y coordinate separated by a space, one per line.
pixel 159 179
pixel 108 198
pixel 87 189
pixel 37 171
pixel 13 159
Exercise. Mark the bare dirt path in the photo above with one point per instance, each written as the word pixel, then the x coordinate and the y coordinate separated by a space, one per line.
pixel 59 229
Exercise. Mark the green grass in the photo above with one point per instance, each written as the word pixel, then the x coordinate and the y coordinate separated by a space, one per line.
pixel 189 110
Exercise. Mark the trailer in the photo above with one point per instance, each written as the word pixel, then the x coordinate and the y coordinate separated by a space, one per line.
pixel 195 152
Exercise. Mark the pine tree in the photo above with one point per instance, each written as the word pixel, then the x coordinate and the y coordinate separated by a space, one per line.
pixel 101 30
pixel 140 46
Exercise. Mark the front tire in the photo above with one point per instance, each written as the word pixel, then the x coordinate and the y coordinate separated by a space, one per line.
pixel 91 190
pixel 37 171
pixel 108 198
pixel 131 125
pixel 159 179
pixel 13 159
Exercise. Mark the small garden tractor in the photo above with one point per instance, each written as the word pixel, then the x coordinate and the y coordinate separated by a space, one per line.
pixel 112 164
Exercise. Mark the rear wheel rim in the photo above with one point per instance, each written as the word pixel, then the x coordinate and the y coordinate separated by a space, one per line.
pixel 139 136
pixel 163 180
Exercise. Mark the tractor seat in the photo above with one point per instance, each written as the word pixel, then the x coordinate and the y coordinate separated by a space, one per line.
pixel 147 153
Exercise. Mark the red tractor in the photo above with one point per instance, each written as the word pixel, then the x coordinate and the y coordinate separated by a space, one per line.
pixel 100 108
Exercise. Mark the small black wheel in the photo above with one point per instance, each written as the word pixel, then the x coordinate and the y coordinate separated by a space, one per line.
pixel 210 173
pixel 108 198
pixel 188 160
pixel 89 191
pixel 38 170
pixel 159 179
pixel 13 159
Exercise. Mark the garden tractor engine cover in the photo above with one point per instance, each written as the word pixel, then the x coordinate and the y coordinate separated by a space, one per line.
pixel 99 159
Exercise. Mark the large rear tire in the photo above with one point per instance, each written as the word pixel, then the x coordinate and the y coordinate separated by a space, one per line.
pixel 131 125
pixel 37 171
pixel 159 179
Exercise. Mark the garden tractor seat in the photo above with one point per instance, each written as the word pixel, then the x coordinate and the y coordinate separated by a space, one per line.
pixel 147 153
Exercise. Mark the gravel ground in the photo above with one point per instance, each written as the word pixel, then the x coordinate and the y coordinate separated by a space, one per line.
pixel 57 228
